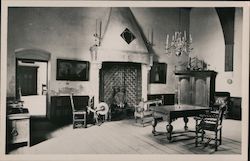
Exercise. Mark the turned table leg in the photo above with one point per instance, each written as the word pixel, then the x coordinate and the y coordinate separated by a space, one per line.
pixel 186 121
pixel 169 128
pixel 154 123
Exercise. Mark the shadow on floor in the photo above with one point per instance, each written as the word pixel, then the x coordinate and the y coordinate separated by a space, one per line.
pixel 41 128
pixel 40 131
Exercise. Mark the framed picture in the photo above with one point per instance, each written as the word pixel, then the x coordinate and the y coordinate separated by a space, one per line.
pixel 72 70
pixel 158 73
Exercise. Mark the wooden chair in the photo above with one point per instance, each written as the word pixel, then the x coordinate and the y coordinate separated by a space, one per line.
pixel 79 114
pixel 220 97
pixel 210 122
pixel 142 110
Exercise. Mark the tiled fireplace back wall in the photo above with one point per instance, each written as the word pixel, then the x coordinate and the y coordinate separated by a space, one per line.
pixel 125 76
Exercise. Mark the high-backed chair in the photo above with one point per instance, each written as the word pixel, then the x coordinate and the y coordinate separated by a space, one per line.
pixel 219 97
pixel 142 110
pixel 79 114
pixel 210 122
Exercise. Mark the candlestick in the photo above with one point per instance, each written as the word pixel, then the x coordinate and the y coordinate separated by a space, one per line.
pixel 152 36
pixel 148 36
pixel 100 29
pixel 95 27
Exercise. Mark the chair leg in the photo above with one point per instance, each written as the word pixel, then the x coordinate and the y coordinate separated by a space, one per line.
pixel 142 122
pixel 85 121
pixel 73 122
pixel 220 136
pixel 216 140
pixel 196 136
pixel 202 134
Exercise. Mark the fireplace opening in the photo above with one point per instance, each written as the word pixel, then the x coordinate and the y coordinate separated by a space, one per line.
pixel 121 84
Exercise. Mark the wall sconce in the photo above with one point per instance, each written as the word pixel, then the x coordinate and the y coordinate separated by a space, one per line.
pixel 151 60
pixel 98 34
pixel 93 53
pixel 150 37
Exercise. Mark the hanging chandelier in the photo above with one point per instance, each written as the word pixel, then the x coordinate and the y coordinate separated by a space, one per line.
pixel 179 44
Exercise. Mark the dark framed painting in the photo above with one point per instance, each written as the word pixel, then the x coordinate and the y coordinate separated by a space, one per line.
pixel 72 70
pixel 158 73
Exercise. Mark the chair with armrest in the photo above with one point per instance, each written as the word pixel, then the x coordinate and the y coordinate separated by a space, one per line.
pixel 79 114
pixel 142 110
pixel 210 122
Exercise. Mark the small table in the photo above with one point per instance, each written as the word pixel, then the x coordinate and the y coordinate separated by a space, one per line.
pixel 172 112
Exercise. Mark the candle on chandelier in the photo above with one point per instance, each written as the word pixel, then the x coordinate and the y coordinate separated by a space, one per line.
pixel 185 36
pixel 190 38
pixel 167 41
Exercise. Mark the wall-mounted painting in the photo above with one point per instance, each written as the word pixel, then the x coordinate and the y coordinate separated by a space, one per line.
pixel 72 70
pixel 158 73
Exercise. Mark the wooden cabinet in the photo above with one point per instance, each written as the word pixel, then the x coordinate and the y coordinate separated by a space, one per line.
pixel 18 128
pixel 195 87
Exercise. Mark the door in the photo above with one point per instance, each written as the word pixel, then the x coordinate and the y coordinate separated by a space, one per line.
pixel 31 84
pixel 184 90
pixel 201 92
pixel 27 80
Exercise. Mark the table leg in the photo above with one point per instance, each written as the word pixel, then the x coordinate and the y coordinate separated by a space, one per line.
pixel 154 123
pixel 169 128
pixel 186 121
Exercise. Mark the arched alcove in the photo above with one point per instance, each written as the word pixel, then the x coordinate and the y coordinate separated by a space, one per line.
pixel 33 54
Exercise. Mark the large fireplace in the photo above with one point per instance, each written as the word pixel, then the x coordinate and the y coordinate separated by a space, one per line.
pixel 121 83
pixel 120 61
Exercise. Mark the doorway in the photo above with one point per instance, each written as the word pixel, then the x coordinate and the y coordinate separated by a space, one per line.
pixel 31 85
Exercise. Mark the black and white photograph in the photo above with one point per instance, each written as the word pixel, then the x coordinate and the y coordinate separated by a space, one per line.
pixel 149 80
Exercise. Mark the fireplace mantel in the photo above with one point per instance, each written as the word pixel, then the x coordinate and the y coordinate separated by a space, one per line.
pixel 104 55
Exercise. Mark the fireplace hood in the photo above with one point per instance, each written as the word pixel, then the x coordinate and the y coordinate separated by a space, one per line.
pixel 122 40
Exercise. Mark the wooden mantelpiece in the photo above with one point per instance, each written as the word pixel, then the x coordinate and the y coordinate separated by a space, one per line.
pixel 195 87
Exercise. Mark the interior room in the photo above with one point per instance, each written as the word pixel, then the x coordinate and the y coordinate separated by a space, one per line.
pixel 124 80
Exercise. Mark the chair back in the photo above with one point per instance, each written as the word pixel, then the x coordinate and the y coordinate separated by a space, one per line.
pixel 72 101
pixel 91 102
pixel 222 109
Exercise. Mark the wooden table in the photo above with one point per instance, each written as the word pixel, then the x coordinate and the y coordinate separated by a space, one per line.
pixel 172 112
